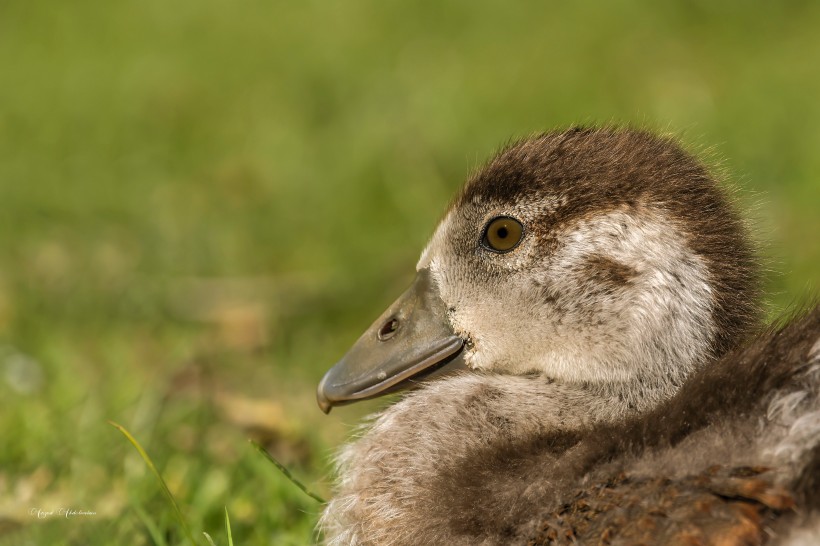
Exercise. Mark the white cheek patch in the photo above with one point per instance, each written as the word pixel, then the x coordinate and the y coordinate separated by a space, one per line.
pixel 662 317
pixel 656 327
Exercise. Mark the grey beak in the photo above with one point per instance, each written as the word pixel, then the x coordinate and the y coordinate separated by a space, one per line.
pixel 411 341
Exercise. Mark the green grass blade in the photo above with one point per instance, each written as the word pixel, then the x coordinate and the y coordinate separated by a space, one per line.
pixel 153 530
pixel 209 539
pixel 228 527
pixel 286 472
pixel 150 464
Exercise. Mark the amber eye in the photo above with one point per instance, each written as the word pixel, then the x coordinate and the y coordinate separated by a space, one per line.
pixel 502 234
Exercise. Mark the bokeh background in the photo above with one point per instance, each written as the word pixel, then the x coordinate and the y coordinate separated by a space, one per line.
pixel 203 203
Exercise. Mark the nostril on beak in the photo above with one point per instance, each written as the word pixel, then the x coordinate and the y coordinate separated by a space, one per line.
pixel 388 329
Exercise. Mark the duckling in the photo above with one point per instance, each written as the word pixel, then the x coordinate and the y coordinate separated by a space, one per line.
pixel 583 342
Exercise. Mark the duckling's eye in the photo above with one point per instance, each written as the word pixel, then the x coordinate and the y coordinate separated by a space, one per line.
pixel 502 234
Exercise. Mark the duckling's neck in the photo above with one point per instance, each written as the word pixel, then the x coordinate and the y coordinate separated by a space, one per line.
pixel 577 405
pixel 635 396
pixel 435 430
pixel 488 405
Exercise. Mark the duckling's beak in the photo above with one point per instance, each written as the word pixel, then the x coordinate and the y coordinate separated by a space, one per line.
pixel 412 340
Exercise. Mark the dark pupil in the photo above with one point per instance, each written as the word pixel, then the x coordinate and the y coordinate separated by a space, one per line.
pixel 502 232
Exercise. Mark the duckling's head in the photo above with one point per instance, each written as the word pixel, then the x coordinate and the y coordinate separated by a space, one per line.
pixel 603 257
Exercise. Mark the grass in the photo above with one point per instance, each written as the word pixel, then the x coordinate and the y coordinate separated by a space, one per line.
pixel 202 204
pixel 164 486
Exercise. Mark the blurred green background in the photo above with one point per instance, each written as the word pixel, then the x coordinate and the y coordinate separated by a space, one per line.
pixel 202 204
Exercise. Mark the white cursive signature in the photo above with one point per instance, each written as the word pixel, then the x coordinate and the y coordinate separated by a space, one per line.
pixel 39 513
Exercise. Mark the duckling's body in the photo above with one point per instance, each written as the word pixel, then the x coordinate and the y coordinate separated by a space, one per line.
pixel 605 380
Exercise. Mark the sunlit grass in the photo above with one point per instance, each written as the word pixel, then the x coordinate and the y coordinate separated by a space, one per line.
pixel 202 205
pixel 167 492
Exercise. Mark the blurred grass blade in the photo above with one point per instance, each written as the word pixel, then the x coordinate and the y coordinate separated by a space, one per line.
pixel 209 539
pixel 153 529
pixel 150 464
pixel 228 527
pixel 287 473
